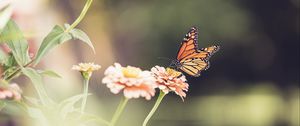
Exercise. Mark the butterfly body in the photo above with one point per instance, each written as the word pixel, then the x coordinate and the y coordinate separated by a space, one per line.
pixel 189 58
pixel 176 64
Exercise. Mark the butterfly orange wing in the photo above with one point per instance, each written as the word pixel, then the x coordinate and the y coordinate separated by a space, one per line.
pixel 188 45
pixel 193 61
pixel 197 62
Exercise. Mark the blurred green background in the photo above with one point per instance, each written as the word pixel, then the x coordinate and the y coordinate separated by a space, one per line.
pixel 253 79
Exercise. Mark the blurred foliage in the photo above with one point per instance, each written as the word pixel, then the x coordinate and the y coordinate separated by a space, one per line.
pixel 5 13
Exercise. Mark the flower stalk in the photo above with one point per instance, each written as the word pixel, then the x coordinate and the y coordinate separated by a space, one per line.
pixel 85 94
pixel 157 103
pixel 86 70
pixel 81 16
pixel 119 111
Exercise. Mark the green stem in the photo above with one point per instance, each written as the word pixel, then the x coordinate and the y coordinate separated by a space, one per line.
pixel 85 94
pixel 158 101
pixel 82 14
pixel 8 78
pixel 118 112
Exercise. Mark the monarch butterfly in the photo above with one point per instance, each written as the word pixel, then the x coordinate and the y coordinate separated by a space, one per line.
pixel 189 58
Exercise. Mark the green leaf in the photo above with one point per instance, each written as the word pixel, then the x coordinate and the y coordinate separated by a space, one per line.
pixel 3 57
pixel 10 61
pixel 32 100
pixel 67 26
pixel 37 82
pixel 2 105
pixel 54 38
pixel 49 73
pixel 14 38
pixel 67 105
pixel 81 35
pixel 5 14
pixel 38 115
pixel 9 65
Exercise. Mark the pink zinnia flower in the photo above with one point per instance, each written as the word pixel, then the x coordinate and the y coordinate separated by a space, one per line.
pixel 170 80
pixel 133 81
pixel 9 92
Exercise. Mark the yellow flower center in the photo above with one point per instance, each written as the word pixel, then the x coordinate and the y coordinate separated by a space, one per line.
pixel 173 72
pixel 131 72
